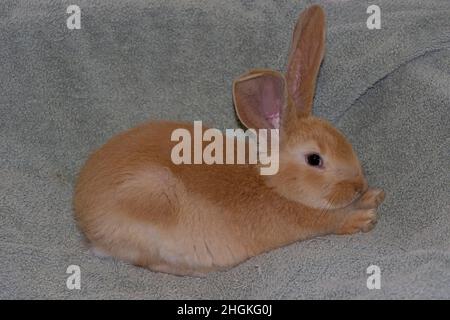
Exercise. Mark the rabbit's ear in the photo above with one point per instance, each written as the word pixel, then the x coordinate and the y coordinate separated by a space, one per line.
pixel 306 54
pixel 259 98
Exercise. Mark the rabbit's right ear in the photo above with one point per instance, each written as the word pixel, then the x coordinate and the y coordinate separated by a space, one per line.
pixel 259 98
pixel 306 54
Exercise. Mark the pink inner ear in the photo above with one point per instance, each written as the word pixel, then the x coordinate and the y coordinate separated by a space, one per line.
pixel 274 120
pixel 259 98
pixel 271 103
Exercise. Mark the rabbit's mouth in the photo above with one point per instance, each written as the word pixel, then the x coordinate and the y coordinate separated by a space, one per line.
pixel 345 193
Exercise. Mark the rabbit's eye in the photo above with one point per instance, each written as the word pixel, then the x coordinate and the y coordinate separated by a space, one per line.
pixel 314 160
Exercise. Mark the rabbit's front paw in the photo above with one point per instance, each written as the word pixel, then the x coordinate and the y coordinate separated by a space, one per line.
pixel 372 198
pixel 357 220
pixel 362 216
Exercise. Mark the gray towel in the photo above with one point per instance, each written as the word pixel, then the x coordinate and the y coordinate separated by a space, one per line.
pixel 64 92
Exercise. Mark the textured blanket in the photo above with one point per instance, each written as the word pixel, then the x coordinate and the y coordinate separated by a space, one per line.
pixel 64 92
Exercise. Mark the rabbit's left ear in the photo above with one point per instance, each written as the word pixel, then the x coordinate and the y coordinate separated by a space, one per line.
pixel 306 54
pixel 259 98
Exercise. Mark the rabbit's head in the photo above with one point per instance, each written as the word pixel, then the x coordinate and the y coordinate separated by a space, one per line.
pixel 317 165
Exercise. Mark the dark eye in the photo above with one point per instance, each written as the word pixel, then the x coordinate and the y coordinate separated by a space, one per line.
pixel 314 160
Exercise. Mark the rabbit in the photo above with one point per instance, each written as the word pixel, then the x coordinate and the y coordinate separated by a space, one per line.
pixel 133 203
